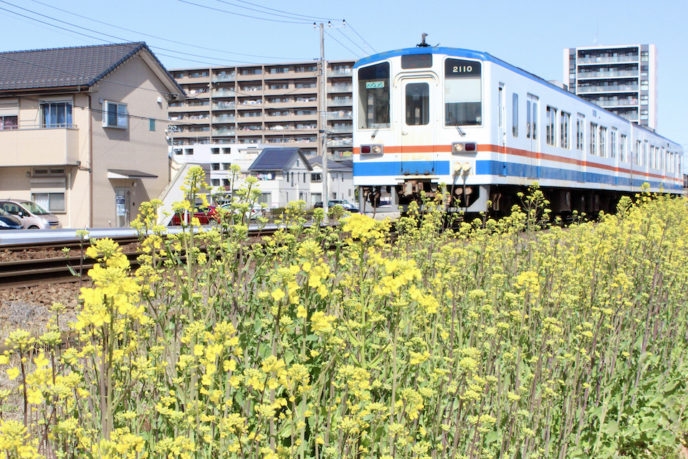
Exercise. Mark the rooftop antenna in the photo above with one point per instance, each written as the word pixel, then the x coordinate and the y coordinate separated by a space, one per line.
pixel 422 43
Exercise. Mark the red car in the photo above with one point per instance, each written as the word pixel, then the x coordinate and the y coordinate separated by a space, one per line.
pixel 206 216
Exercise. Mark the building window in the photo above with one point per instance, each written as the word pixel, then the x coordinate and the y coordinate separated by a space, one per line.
pixel 8 122
pixel 564 121
pixel 215 182
pixel 316 177
pixel 551 114
pixel 215 166
pixel 514 115
pixel 115 115
pixel 316 197
pixel 215 151
pixel 56 114
pixel 53 202
pixel 188 151
pixel 151 124
pixel 226 166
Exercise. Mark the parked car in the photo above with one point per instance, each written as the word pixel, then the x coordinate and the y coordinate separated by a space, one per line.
pixel 205 216
pixel 30 214
pixel 256 211
pixel 339 202
pixel 8 222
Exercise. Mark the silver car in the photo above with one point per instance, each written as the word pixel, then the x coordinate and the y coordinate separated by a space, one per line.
pixel 31 215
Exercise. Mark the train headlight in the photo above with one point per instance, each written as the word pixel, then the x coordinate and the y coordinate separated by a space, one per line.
pixel 372 149
pixel 460 147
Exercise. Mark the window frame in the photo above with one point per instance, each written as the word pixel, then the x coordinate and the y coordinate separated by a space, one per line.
pixel 121 115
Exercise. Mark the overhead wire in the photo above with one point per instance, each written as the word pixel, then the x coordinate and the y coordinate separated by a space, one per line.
pixel 317 18
pixel 361 37
pixel 353 42
pixel 191 45
pixel 342 44
pixel 234 13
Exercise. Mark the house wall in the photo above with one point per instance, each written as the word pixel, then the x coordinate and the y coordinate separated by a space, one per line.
pixel 136 147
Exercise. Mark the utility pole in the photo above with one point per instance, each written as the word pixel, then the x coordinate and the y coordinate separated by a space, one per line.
pixel 322 129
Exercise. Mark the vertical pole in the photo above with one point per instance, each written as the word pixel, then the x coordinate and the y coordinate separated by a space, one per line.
pixel 323 117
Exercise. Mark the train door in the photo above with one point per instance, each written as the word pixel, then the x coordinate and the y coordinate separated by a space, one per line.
pixel 501 128
pixel 417 133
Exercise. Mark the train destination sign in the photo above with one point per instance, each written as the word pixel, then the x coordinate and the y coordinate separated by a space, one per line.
pixel 375 84
pixel 458 68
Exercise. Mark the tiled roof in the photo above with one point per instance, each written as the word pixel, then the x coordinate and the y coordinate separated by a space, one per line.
pixel 62 67
pixel 277 159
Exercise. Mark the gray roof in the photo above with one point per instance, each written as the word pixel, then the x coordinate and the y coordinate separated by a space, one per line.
pixel 277 159
pixel 341 165
pixel 64 67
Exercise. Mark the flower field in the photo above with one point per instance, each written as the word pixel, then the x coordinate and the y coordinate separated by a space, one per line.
pixel 502 338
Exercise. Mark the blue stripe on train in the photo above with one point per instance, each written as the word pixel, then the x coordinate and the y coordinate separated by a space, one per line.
pixel 363 169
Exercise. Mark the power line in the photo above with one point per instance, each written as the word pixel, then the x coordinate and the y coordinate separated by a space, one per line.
pixel 287 16
pixel 353 42
pixel 191 45
pixel 341 44
pixel 310 18
pixel 101 33
pixel 234 13
pixel 361 37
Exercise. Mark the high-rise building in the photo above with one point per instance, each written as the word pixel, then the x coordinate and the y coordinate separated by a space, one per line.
pixel 622 79
pixel 271 104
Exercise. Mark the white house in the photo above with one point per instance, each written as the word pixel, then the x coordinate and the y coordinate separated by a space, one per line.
pixel 284 175
pixel 340 183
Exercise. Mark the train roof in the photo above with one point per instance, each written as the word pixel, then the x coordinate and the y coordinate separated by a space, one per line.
pixel 483 56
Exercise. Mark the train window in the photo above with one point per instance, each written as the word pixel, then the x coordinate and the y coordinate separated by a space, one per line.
pixel 535 113
pixel 529 121
pixel 462 93
pixel 417 104
pixel 603 142
pixel 416 61
pixel 622 147
pixel 612 144
pixel 373 85
pixel 514 116
pixel 580 134
pixel 593 139
pixel 551 124
pixel 564 122
pixel 636 154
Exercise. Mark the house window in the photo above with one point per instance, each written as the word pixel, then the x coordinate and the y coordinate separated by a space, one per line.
pixel 56 114
pixel 215 182
pixel 151 124
pixel 53 202
pixel 115 115
pixel 8 122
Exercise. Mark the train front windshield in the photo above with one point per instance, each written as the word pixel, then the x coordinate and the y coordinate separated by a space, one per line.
pixel 462 93
pixel 373 90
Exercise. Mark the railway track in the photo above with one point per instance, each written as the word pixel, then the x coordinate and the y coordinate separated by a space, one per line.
pixel 61 268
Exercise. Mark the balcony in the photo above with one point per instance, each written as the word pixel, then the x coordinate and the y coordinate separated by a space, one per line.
pixel 608 59
pixel 224 132
pixel 223 119
pixel 340 129
pixel 339 88
pixel 224 77
pixel 608 74
pixel 608 88
pixel 224 93
pixel 339 143
pixel 221 105
pixel 341 115
pixel 39 146
pixel 340 101
pixel 339 72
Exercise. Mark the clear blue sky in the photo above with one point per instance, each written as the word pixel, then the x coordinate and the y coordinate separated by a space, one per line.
pixel 528 33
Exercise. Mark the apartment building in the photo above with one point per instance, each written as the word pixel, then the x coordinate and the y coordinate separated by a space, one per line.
pixel 82 130
pixel 272 104
pixel 622 79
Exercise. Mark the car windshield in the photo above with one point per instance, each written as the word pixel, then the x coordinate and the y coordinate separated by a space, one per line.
pixel 34 208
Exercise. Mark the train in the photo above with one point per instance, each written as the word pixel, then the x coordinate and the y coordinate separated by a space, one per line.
pixel 433 118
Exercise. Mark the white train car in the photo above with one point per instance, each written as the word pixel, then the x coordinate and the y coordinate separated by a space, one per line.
pixel 486 129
